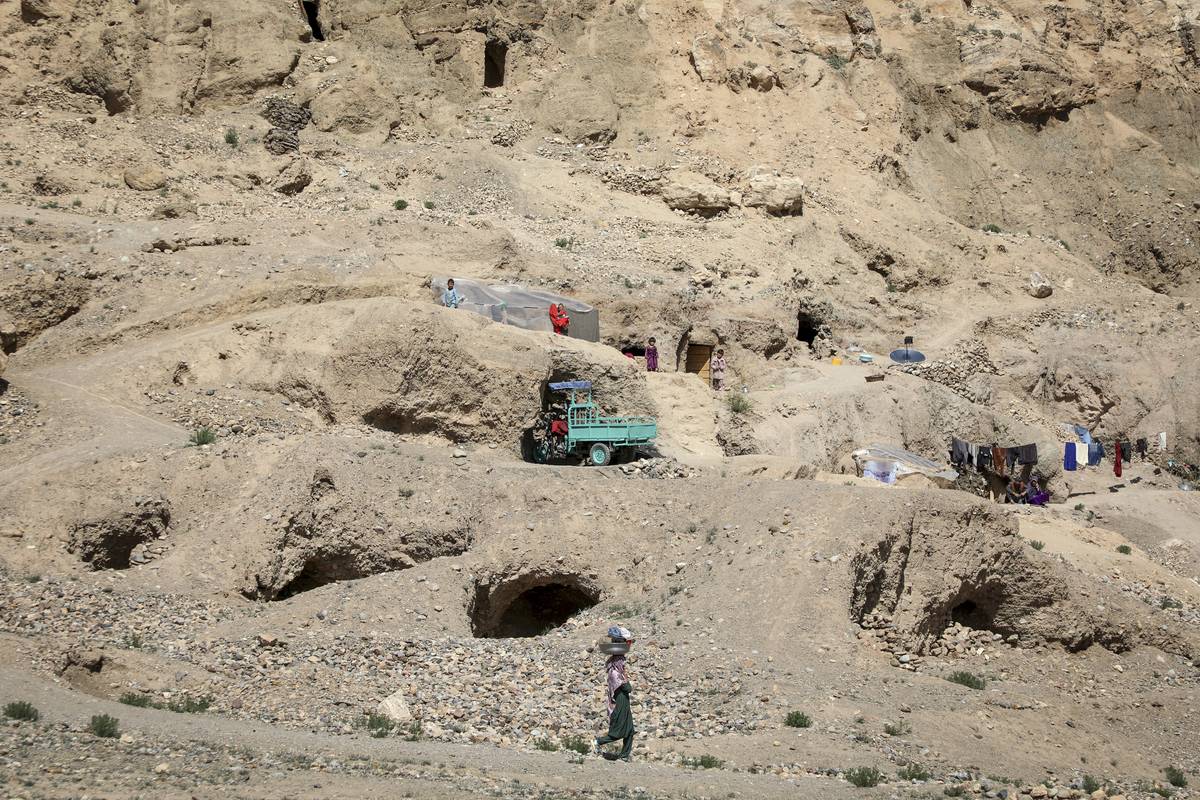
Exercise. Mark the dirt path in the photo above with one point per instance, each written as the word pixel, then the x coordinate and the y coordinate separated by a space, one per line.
pixel 449 770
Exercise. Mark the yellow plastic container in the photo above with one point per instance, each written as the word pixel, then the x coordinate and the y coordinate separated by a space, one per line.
pixel 836 361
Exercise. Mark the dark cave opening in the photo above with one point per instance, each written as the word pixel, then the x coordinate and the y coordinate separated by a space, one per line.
pixel 808 327
pixel 495 56
pixel 973 615
pixel 312 11
pixel 534 612
pixel 318 572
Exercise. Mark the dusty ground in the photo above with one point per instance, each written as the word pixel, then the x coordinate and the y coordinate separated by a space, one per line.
pixel 227 217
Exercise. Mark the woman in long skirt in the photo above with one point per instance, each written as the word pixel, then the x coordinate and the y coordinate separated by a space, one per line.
pixel 620 718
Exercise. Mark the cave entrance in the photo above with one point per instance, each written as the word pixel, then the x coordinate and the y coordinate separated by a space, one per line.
pixel 533 612
pixel 495 56
pixel 977 616
pixel 312 12
pixel 636 351
pixel 808 327
pixel 698 360
pixel 317 572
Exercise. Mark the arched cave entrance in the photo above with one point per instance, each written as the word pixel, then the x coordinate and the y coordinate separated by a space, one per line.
pixel 312 12
pixel 529 607
pixel 495 56
pixel 980 616
pixel 808 327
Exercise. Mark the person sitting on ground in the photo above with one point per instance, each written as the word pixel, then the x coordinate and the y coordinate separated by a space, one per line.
pixel 652 356
pixel 717 367
pixel 1035 494
pixel 451 298
pixel 1015 493
pixel 559 319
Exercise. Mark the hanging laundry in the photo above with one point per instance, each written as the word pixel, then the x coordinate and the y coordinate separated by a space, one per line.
pixel 998 458
pixel 1117 459
pixel 1084 435
pixel 984 460
pixel 1126 452
pixel 1027 454
pixel 1095 453
pixel 1069 456
pixel 1162 441
pixel 1141 448
pixel 1010 459
pixel 958 451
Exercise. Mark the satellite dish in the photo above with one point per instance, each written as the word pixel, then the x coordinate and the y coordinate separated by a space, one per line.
pixel 906 354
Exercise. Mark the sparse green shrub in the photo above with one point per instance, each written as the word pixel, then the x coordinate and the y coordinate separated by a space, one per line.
pixel 797 719
pixel 1161 791
pixel 406 492
pixel 1124 549
pixel 22 710
pixel 913 772
pixel 711 536
pixel 190 705
pixel 1175 777
pixel 563 243
pixel 991 227
pixel 1037 544
pixel 576 743
pixel 400 205
pixel 836 61
pixel 1065 246
pixel 202 436
pixel 231 137
pixel 972 28
pixel 133 641
pixel 863 777
pixel 414 731
pixel 76 203
pixel 996 33
pixel 1090 784
pixel 954 791
pixel 136 699
pixel 968 679
pixel 548 745
pixel 374 187
pixel 739 403
pixel 704 761
pixel 897 728
pixel 915 16
pixel 104 726
pixel 1169 602
pixel 380 726
pixel 1079 506
pixel 429 204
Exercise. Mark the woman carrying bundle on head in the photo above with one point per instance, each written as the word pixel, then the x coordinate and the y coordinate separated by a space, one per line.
pixel 620 718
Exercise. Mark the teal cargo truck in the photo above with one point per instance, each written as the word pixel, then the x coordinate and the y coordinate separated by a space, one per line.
pixel 579 429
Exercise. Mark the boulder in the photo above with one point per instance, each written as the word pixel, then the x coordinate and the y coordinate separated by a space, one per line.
pixel 1039 287
pixel 38 10
pixel 175 209
pixel 777 195
pixel 696 194
pixel 763 78
pixel 145 178
pixel 708 59
pixel 395 708
pixel 294 178
pixel 108 541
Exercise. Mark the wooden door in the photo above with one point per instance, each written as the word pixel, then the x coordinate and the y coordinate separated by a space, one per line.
pixel 699 358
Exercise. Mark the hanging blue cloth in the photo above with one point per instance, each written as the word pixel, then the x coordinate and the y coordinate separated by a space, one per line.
pixel 1095 453
pixel 1069 457
pixel 1084 435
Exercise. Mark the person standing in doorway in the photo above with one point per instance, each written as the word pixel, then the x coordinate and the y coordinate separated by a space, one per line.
pixel 717 367
pixel 559 319
pixel 451 298
pixel 652 356
pixel 620 718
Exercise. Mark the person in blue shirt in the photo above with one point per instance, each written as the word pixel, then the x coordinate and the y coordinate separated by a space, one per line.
pixel 451 298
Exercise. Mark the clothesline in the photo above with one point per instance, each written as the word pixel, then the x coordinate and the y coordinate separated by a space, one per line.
pixel 991 457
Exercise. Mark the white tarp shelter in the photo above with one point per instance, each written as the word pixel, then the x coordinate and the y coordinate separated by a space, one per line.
pixel 517 305
pixel 889 463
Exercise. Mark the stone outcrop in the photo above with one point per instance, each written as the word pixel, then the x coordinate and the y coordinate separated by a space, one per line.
pixel 108 542
pixel 776 194
pixel 697 194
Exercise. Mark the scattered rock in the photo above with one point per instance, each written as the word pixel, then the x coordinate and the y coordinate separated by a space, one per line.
pixel 145 178
pixel 294 178
pixel 1039 287
pixel 697 194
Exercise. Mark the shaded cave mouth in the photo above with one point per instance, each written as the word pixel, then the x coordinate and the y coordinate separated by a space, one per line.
pixel 312 13
pixel 535 611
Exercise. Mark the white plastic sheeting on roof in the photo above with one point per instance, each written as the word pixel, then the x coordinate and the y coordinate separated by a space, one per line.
pixel 889 463
pixel 513 304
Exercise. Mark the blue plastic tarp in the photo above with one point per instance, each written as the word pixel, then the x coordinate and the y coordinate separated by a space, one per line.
pixel 564 385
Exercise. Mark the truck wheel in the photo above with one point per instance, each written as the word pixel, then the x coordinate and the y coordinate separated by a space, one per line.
pixel 600 455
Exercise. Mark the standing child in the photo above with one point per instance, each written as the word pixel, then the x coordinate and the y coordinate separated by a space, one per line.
pixel 717 367
pixel 652 356
pixel 620 718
